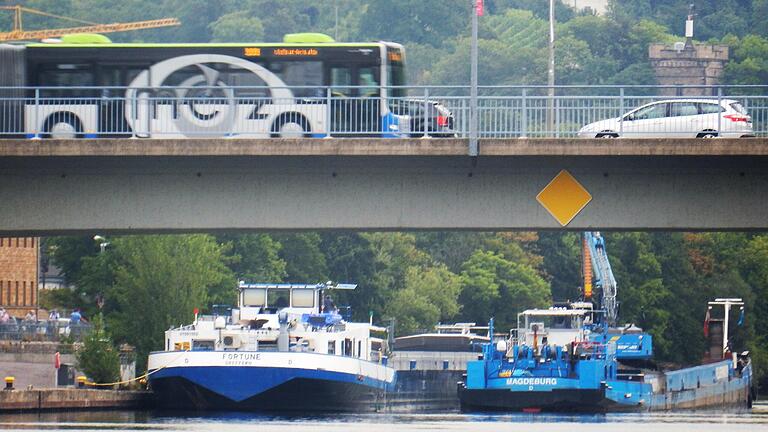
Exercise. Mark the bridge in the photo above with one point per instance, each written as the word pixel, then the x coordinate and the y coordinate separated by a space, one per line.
pixel 67 186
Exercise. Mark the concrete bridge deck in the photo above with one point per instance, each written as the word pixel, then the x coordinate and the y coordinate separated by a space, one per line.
pixel 135 185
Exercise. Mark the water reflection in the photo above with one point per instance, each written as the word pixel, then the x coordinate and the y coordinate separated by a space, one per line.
pixel 701 421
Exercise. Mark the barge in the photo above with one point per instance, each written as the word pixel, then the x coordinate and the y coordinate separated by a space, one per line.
pixel 573 357
pixel 277 351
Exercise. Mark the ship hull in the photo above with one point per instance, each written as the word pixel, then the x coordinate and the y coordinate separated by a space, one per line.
pixel 300 395
pixel 701 387
pixel 570 400
pixel 285 382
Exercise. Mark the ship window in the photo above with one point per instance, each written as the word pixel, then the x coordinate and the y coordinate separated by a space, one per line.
pixel 254 296
pixel 331 347
pixel 278 298
pixel 359 348
pixel 202 345
pixel 303 298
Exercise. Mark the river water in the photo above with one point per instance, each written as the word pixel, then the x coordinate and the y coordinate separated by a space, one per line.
pixel 236 422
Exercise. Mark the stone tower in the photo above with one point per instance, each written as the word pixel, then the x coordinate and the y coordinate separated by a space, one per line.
pixel 688 63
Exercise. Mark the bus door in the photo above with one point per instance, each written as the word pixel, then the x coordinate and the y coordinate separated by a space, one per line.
pixel 369 92
pixel 355 100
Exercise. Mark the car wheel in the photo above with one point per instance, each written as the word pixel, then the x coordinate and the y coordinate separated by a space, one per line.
pixel 607 134
pixel 707 134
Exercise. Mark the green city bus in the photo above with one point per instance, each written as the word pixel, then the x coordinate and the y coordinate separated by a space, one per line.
pixel 308 85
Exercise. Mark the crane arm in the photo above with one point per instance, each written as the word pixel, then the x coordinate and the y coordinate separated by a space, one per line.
pixel 18 32
pixel 597 268
pixel 99 28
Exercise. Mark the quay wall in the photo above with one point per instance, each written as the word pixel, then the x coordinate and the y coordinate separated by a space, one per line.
pixel 66 399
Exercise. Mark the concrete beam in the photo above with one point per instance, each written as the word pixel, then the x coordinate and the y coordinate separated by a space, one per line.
pixel 130 186
pixel 382 147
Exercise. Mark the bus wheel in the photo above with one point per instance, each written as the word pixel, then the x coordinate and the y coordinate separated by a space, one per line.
pixel 62 125
pixel 290 125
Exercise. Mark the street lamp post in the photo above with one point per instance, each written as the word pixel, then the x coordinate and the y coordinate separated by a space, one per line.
pixel 477 9
pixel 551 71
pixel 103 243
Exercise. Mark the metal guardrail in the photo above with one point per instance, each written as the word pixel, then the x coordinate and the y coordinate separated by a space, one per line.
pixel 43 331
pixel 260 112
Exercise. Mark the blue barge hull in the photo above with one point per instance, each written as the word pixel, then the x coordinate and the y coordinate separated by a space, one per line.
pixel 712 385
pixel 266 389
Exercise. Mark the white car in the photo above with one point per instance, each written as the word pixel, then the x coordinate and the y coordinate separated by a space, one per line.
pixel 683 118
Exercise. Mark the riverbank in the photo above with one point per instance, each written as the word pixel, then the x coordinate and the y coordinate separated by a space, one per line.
pixel 72 399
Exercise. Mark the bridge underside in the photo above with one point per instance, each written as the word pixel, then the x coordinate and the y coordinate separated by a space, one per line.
pixel 131 186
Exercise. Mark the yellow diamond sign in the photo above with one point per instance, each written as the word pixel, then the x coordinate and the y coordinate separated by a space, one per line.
pixel 564 197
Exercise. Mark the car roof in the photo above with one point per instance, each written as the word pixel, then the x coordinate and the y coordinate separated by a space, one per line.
pixel 709 100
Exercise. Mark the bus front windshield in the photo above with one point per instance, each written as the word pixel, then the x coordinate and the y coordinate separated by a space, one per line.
pixel 396 72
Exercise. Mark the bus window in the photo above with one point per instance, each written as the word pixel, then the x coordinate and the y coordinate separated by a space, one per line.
pixel 253 85
pixel 341 79
pixel 396 72
pixel 109 76
pixel 67 75
pixel 299 74
pixel 369 83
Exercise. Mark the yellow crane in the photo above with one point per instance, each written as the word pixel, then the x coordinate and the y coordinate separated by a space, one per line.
pixel 18 32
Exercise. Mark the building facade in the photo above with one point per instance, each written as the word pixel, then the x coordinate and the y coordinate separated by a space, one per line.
pixel 18 274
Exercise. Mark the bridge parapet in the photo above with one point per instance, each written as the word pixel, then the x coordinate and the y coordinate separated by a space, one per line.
pixel 437 111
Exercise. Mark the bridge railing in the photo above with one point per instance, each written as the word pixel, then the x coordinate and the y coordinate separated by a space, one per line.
pixel 503 111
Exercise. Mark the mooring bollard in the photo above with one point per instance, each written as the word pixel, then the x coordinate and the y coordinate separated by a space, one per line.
pixel 9 382
pixel 81 381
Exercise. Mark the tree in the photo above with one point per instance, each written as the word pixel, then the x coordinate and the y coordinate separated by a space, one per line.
pixel 749 64
pixel 561 263
pixel 495 287
pixel 255 257
pixel 158 281
pixel 98 358
pixel 237 27
pixel 430 296
pixel 304 260
pixel 428 23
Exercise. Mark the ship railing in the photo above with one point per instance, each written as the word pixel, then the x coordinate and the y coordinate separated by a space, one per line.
pixel 589 349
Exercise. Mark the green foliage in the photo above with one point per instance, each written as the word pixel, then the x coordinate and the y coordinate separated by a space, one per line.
pixel 496 287
pixel 430 296
pixel 237 27
pixel 255 257
pixel 158 281
pixel 750 61
pixel 98 358
pixel 428 23
pixel 303 257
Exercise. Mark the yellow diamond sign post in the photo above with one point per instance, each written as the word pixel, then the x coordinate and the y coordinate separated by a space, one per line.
pixel 564 197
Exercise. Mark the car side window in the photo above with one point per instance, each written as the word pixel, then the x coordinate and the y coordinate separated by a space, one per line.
pixel 680 109
pixel 709 108
pixel 652 112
